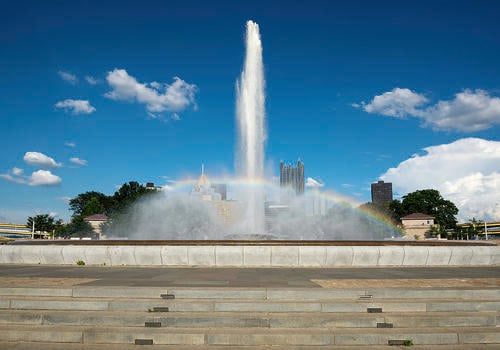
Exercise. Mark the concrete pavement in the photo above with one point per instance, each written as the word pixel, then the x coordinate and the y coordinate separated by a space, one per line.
pixel 52 275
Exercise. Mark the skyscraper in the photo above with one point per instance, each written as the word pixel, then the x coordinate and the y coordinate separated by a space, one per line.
pixel 292 177
pixel 381 192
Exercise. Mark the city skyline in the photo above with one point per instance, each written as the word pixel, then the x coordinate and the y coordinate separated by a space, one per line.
pixel 96 96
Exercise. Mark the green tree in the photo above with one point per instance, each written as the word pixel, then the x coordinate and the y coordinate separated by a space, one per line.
pixel 90 203
pixel 474 228
pixel 43 222
pixel 93 206
pixel 78 227
pixel 437 231
pixel 129 193
pixel 430 202
pixel 60 229
pixel 126 195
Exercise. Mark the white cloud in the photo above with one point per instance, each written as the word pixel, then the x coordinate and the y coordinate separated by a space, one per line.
pixel 156 116
pixel 310 182
pixel 37 178
pixel 40 160
pixel 468 111
pixel 76 106
pixel 91 80
pixel 175 116
pixel 17 171
pixel 78 161
pixel 68 77
pixel 44 178
pixel 156 85
pixel 466 171
pixel 157 97
pixel 15 178
pixel 396 103
pixel 70 144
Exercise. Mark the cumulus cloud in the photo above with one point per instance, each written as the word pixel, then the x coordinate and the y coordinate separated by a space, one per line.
pixel 396 103
pixel 157 97
pixel 91 80
pixel 44 178
pixel 468 111
pixel 40 160
pixel 75 106
pixel 68 77
pixel 466 171
pixel 78 161
pixel 37 178
pixel 312 183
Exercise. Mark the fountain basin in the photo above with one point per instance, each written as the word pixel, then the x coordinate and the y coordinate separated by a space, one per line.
pixel 322 254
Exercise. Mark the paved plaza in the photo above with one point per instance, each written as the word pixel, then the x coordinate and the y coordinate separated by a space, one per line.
pixel 51 275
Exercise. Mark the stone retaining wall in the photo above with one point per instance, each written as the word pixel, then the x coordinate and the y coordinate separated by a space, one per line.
pixel 252 255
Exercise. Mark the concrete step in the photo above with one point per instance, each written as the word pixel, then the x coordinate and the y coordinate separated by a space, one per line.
pixel 245 319
pixel 228 305
pixel 74 346
pixel 332 294
pixel 248 336
pixel 469 294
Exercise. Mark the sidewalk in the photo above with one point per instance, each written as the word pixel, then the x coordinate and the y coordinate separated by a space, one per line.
pixel 435 277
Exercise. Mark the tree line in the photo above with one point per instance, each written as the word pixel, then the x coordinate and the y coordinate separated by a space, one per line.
pixel 428 201
pixel 87 204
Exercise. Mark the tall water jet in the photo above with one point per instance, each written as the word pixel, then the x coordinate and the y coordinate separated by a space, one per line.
pixel 250 112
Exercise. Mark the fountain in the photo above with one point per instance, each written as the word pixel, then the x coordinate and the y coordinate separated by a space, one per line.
pixel 179 216
pixel 250 113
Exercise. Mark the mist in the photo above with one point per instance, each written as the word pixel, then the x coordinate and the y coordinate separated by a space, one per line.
pixel 177 216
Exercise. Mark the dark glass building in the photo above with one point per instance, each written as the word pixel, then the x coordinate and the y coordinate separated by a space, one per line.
pixel 381 192
pixel 292 177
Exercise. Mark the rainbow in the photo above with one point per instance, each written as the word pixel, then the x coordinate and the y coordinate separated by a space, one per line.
pixel 328 196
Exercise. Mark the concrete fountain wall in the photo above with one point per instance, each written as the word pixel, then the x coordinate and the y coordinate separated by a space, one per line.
pixel 252 254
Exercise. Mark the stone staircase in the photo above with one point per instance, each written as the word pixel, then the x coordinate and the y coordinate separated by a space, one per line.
pixel 236 318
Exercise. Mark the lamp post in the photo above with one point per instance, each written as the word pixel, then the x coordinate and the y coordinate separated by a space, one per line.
pixel 33 226
pixel 33 229
pixel 485 230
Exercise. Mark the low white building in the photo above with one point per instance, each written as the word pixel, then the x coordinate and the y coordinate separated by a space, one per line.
pixel 417 225
pixel 96 221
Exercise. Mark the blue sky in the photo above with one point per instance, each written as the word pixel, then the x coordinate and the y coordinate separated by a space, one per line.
pixel 100 93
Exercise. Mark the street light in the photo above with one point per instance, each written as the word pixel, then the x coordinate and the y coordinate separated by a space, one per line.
pixel 485 230
pixel 33 227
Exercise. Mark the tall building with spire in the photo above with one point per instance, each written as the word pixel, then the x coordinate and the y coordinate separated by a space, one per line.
pixel 292 178
pixel 216 196
pixel 204 189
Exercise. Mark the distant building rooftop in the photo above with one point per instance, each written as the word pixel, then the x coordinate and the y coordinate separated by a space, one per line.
pixel 417 216
pixel 96 217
